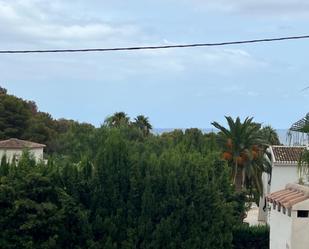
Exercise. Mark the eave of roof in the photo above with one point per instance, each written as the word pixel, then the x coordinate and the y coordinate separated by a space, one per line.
pixel 291 195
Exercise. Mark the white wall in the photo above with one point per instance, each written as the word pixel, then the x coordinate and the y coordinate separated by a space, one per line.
pixel 289 232
pixel 300 227
pixel 282 175
pixel 280 229
pixel 10 153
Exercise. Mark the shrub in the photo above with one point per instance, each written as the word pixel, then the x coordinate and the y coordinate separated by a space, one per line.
pixel 254 237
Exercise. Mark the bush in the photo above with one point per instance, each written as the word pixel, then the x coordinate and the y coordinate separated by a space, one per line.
pixel 254 237
pixel 128 197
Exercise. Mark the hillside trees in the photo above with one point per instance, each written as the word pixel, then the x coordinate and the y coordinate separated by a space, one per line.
pixel 14 116
pixel 22 119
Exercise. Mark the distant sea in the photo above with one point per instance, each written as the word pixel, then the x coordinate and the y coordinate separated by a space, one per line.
pixel 282 133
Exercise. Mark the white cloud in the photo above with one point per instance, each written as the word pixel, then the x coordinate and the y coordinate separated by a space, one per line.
pixel 218 61
pixel 51 24
pixel 81 32
pixel 47 23
pixel 284 8
pixel 228 61
pixel 7 12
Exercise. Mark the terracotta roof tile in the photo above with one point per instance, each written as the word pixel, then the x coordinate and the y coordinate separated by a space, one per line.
pixel 291 195
pixel 14 143
pixel 287 153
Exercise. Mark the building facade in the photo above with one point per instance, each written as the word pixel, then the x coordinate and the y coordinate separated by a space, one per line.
pixel 284 162
pixel 289 217
pixel 13 149
pixel 284 165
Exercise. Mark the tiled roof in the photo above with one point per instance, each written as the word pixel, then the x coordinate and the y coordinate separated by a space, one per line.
pixel 291 195
pixel 14 143
pixel 287 153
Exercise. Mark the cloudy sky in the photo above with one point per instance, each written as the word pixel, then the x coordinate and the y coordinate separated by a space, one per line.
pixel 176 88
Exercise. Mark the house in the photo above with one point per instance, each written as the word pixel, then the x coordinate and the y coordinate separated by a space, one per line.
pixel 284 165
pixel 284 162
pixel 13 149
pixel 289 217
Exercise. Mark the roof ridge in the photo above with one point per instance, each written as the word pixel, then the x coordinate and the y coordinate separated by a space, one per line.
pixel 15 143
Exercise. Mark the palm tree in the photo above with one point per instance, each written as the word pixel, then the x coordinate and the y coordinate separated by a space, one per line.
pixel 302 126
pixel 118 119
pixel 142 123
pixel 243 146
pixel 270 135
pixel 3 91
pixel 303 167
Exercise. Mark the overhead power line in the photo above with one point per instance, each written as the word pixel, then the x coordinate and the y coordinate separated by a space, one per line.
pixel 154 47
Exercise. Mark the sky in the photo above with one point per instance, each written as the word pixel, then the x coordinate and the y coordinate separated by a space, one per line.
pixel 177 88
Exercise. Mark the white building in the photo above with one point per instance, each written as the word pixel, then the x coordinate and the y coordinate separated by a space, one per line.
pixel 284 161
pixel 284 165
pixel 289 217
pixel 13 148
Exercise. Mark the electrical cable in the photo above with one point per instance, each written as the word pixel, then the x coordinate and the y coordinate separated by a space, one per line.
pixel 154 47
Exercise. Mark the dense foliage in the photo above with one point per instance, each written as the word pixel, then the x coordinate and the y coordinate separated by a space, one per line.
pixel 117 186
pixel 255 237
pixel 130 196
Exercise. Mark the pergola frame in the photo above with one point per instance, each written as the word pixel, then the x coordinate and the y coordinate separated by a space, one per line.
pixel 301 125
pixel 298 134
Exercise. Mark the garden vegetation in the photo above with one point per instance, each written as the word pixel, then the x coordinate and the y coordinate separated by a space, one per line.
pixel 117 186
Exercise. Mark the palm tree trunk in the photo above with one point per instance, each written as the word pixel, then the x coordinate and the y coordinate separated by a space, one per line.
pixel 235 172
pixel 238 178
pixel 243 175
pixel 238 181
